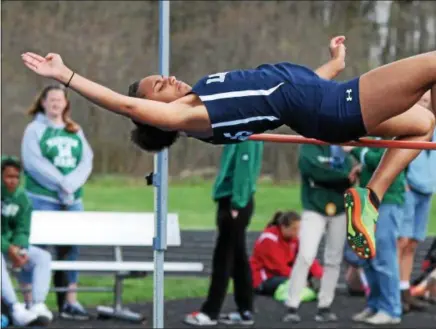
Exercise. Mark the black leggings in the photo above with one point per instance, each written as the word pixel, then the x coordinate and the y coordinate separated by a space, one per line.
pixel 269 287
pixel 230 259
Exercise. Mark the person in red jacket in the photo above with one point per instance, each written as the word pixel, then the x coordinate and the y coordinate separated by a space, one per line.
pixel 275 251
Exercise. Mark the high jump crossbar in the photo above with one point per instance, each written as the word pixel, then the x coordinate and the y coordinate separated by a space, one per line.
pixel 362 142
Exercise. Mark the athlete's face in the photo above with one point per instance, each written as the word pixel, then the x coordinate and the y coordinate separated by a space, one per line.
pixel 162 89
pixel 426 100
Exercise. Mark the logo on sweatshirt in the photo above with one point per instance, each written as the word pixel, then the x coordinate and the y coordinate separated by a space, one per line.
pixel 10 209
pixel 64 146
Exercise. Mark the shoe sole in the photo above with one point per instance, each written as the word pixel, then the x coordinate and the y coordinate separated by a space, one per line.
pixel 292 320
pixel 361 237
pixel 66 316
pixel 38 322
pixel 197 324
pixel 321 319
pixel 236 323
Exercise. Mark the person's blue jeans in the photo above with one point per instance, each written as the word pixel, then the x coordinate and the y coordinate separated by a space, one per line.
pixel 73 252
pixel 416 214
pixel 382 272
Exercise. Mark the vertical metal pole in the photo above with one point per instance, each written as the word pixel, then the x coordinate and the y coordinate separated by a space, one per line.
pixel 160 180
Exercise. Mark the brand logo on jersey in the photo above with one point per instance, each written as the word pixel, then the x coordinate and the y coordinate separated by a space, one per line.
pixel 10 209
pixel 240 135
pixel 349 98
pixel 64 146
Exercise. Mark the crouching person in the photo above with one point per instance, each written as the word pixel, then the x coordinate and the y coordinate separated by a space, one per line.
pixel 273 256
pixel 32 264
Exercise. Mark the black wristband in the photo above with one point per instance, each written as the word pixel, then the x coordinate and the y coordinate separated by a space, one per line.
pixel 68 83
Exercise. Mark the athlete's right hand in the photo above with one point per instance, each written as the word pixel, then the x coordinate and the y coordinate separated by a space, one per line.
pixel 338 50
pixel 50 66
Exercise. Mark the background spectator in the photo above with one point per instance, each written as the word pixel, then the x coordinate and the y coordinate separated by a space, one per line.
pixel 383 305
pixel 421 184
pixel 57 160
pixel 234 191
pixel 326 173
pixel 30 261
pixel 274 255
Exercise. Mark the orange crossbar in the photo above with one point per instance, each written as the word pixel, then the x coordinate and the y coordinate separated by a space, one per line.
pixel 278 138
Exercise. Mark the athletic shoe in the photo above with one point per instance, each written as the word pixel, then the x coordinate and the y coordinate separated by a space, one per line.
pixel 22 317
pixel 292 315
pixel 199 319
pixel 74 312
pixel 236 318
pixel 365 314
pixel 325 315
pixel 43 313
pixel 382 318
pixel 362 216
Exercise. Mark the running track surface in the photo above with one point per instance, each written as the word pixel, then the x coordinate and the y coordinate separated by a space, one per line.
pixel 269 314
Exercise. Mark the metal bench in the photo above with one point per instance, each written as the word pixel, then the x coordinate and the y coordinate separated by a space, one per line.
pixel 115 229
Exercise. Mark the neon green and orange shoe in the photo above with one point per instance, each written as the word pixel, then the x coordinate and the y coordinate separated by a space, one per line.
pixel 361 218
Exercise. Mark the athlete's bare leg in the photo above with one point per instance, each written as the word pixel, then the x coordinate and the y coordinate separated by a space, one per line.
pixel 419 123
pixel 390 91
pixel 416 124
pixel 433 99
pixel 394 88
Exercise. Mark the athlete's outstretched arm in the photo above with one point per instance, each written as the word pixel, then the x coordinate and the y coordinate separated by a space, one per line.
pixel 336 64
pixel 167 116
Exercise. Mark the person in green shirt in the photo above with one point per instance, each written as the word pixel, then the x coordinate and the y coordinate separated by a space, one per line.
pixel 27 260
pixel 383 305
pixel 233 192
pixel 326 173
pixel 57 162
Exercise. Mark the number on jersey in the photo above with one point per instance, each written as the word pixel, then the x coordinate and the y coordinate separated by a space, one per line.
pixel 217 77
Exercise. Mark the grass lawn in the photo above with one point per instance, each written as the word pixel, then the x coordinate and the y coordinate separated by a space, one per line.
pixel 136 290
pixel 192 201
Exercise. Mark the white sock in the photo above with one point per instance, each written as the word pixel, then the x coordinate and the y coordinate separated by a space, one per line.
pixel 404 285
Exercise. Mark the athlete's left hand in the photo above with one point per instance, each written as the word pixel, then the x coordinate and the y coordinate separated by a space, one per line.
pixel 338 50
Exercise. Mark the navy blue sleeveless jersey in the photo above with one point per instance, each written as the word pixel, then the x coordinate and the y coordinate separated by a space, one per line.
pixel 245 102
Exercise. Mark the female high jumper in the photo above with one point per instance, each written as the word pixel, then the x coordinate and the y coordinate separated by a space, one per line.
pixel 228 107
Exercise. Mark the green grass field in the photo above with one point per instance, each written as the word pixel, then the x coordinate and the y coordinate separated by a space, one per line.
pixel 192 201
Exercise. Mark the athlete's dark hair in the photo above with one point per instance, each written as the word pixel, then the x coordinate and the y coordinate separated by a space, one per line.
pixel 147 137
pixel 284 218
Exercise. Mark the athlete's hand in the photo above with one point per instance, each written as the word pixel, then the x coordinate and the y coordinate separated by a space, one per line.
pixel 338 50
pixel 50 66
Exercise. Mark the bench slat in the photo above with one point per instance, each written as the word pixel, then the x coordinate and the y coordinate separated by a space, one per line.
pixel 97 228
pixel 123 266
